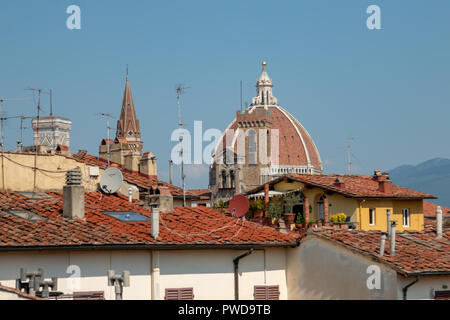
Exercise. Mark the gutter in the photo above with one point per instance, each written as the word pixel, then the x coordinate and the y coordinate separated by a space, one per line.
pixel 149 247
pixel 405 289
pixel 236 272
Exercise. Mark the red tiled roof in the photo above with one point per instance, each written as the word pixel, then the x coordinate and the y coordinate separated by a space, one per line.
pixel 141 180
pixel 415 252
pixel 355 186
pixel 429 209
pixel 182 226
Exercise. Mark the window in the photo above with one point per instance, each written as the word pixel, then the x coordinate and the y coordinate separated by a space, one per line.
pixel 405 215
pixel 442 295
pixel 224 179
pixel 266 293
pixel 179 294
pixel 252 148
pixel 372 217
pixel 25 214
pixel 126 216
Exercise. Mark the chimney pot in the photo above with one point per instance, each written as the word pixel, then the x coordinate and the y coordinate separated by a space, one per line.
pixel 388 218
pixel 155 223
pixel 439 222
pixel 383 243
pixel 393 225
pixel 73 195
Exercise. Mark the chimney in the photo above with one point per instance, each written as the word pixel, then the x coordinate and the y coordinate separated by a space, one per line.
pixel 384 182
pixel 73 195
pixel 339 183
pixel 155 223
pixel 393 238
pixel 383 243
pixel 439 222
pixel 170 171
pixel 388 224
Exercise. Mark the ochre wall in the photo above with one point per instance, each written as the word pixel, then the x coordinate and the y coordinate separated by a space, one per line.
pixel 358 210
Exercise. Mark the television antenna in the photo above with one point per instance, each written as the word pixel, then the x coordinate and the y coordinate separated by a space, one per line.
pixel 349 154
pixel 36 142
pixel 179 90
pixel 108 128
pixel 2 141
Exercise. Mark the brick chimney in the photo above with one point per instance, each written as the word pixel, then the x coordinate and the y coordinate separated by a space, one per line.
pixel 384 182
pixel 73 195
pixel 339 183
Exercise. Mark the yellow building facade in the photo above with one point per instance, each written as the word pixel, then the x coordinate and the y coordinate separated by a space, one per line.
pixel 365 213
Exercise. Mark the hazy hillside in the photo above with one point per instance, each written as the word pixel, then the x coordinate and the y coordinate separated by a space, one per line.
pixel 432 176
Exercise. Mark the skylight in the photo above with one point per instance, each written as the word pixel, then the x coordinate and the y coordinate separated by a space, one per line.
pixel 35 195
pixel 25 214
pixel 126 216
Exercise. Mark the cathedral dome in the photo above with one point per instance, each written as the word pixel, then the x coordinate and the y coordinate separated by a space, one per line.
pixel 297 150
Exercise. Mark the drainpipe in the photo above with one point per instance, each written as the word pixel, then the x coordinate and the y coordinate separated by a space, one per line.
pixel 236 272
pixel 155 275
pixel 393 238
pixel 405 289
pixel 388 217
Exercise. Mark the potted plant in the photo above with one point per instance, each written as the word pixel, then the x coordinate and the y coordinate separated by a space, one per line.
pixel 290 201
pixel 299 222
pixel 259 208
pixel 275 208
pixel 338 219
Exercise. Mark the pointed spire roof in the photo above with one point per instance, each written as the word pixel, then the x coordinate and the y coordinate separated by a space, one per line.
pixel 128 125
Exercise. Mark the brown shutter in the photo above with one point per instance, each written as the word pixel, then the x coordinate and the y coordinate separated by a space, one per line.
pixel 89 295
pixel 442 295
pixel 266 293
pixel 179 294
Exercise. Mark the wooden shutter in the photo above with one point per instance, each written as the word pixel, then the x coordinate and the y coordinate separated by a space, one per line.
pixel 266 293
pixel 89 295
pixel 442 295
pixel 179 294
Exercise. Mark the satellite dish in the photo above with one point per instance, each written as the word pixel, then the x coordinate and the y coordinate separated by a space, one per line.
pixel 111 180
pixel 238 206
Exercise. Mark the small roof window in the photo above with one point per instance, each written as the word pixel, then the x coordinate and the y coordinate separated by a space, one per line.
pixel 35 195
pixel 126 216
pixel 25 214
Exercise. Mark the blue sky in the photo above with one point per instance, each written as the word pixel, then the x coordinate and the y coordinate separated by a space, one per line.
pixel 389 88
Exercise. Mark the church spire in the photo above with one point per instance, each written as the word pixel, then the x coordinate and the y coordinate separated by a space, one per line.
pixel 264 95
pixel 128 125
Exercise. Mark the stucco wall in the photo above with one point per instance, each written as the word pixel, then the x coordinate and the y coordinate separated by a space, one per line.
pixel 319 269
pixel 424 288
pixel 209 272
pixel 415 207
pixel 19 173
pixel 93 266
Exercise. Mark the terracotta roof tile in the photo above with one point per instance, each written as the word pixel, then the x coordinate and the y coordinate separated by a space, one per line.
pixel 415 252
pixel 357 186
pixel 189 226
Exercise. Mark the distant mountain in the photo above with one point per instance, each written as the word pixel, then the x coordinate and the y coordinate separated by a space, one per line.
pixel 432 176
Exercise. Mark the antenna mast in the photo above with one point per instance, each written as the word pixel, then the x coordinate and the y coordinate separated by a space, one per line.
pixel 179 91
pixel 349 155
pixel 2 141
pixel 107 116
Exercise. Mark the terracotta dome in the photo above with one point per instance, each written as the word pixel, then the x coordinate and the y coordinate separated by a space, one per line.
pixel 297 150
